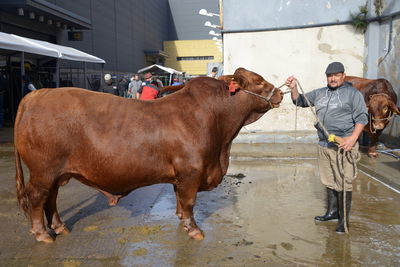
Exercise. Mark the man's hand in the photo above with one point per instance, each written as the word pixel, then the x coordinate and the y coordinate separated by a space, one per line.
pixel 291 82
pixel 348 142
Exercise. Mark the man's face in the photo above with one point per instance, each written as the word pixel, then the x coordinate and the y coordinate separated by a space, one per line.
pixel 336 79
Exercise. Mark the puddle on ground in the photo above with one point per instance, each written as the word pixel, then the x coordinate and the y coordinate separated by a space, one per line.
pixel 262 214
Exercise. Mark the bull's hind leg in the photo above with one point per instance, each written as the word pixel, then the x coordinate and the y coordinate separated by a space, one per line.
pixel 38 197
pixel 179 211
pixel 187 199
pixel 53 218
pixel 111 198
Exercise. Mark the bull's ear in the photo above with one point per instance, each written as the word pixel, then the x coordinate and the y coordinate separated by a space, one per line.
pixel 394 108
pixel 226 78
pixel 241 77
pixel 230 81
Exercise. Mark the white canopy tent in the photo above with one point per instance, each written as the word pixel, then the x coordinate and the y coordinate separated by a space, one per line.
pixel 23 44
pixel 158 69
pixel 28 45
pixel 161 70
pixel 18 43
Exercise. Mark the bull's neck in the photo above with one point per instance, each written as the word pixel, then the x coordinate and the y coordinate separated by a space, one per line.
pixel 236 110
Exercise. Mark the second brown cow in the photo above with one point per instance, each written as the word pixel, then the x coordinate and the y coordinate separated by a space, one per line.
pixel 381 101
pixel 183 139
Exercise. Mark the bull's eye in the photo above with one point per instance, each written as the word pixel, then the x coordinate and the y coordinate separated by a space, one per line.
pixel 385 109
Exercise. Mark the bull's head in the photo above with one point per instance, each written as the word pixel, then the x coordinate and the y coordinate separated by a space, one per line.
pixel 251 81
pixel 381 108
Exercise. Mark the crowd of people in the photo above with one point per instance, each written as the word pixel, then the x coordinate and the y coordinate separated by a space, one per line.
pixel 150 88
pixel 135 88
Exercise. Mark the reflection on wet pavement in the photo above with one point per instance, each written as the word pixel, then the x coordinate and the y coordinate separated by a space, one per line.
pixel 262 214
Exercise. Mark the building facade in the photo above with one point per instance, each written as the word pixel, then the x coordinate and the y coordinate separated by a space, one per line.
pixel 127 34
pixel 192 56
pixel 190 47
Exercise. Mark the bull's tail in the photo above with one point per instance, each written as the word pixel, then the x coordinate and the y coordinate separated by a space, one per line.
pixel 22 196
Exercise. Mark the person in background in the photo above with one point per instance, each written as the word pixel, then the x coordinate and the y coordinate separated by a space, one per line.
pixel 122 86
pixel 342 110
pixel 159 83
pixel 28 86
pixel 134 86
pixel 109 85
pixel 213 73
pixel 149 91
pixel 176 81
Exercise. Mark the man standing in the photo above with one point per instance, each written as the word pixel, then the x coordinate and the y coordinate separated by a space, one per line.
pixel 28 86
pixel 149 91
pixel 109 85
pixel 213 73
pixel 134 86
pixel 342 110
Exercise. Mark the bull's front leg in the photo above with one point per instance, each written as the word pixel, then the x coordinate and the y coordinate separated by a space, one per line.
pixel 372 145
pixel 186 196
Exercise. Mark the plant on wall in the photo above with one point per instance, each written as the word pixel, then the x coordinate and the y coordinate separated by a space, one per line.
pixel 378 7
pixel 359 20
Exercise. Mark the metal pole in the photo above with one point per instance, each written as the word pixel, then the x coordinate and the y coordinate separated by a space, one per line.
pixel 84 75
pixel 102 75
pixel 22 73
pixel 70 74
pixel 57 73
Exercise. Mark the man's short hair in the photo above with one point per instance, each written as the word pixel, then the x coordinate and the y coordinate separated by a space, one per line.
pixel 215 69
pixel 334 67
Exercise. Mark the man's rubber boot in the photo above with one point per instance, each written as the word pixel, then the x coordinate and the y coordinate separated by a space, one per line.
pixel 331 209
pixel 340 226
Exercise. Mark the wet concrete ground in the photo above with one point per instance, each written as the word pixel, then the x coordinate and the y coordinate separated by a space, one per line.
pixel 261 218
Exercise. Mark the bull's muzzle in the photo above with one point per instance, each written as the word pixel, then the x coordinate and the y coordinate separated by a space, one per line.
pixel 378 126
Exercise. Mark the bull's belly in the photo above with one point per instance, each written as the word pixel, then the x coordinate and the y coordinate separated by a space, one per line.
pixel 118 182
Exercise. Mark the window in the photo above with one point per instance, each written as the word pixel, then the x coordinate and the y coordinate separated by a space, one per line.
pixel 195 58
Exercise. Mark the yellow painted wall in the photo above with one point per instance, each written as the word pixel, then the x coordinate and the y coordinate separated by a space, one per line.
pixel 191 48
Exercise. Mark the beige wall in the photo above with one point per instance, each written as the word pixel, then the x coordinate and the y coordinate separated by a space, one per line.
pixel 191 48
pixel 305 53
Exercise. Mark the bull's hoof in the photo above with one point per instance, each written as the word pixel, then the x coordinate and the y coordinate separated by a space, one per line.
pixel 44 237
pixel 180 215
pixel 62 230
pixel 196 234
pixel 113 200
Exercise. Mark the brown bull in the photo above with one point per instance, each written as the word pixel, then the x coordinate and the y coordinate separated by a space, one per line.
pixel 183 139
pixel 381 100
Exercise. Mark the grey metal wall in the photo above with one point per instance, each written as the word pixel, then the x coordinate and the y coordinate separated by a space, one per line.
pixel 185 21
pixel 382 45
pixel 121 30
pixel 258 14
